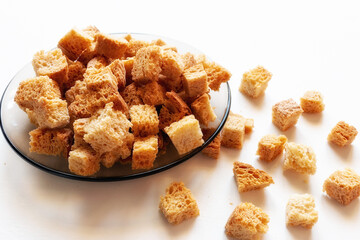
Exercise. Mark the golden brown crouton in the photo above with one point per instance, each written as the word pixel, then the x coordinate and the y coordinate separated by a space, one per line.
pixel 175 104
pixel 75 73
pixel 185 134
pixel 342 134
pixel 98 62
pixel 343 186
pixel 118 69
pixel 249 178
pixel 255 82
pixel 101 78
pixel 166 117
pixel 203 110
pixel 285 114
pixel 216 74
pixel 188 60
pixel 195 81
pixel 144 119
pixel 152 93
pixel 132 95
pixel 172 69
pixel 51 141
pixel 109 46
pixel 312 102
pixel 128 64
pixel 247 222
pixel 213 148
pixel 134 45
pixel 270 146
pixel 233 132
pixel 147 65
pixel 300 211
pixel 299 158
pixel 83 161
pixel 144 152
pixel 178 204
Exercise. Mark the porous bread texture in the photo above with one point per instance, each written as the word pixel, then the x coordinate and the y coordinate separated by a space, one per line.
pixel 166 117
pixel 188 60
pixel 75 73
pixel 91 31
pixel 271 146
pixel 249 178
pixel 172 68
pixel 255 82
pixel 109 46
pixel 249 125
pixel 343 186
pixel 195 81
pixel 147 64
pixel 51 141
pixel 285 114
pixel 40 98
pixel 203 110
pixel 132 95
pixel 144 119
pixel 300 211
pixel 97 62
pixel 108 130
pixel 128 64
pixel 178 204
pixel 216 74
pixel 342 134
pixel 52 64
pixel 233 131
pixel 152 93
pixel 300 158
pixel 144 152
pixel 77 45
pixel 79 132
pixel 312 102
pixel 175 103
pixel 118 70
pixel 213 148
pixel 134 45
pixel 247 222
pixel 100 78
pixel 185 134
pixel 83 161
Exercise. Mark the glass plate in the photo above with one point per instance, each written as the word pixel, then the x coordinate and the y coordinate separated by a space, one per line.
pixel 16 126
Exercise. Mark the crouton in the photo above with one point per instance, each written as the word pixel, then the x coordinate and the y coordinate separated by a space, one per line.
pixel 75 73
pixel 188 60
pixel 271 146
pixel 152 93
pixel 299 158
pixel 134 45
pixel 83 161
pixel 101 78
pixel 216 74
pixel 342 134
pixel 52 64
pixel 98 62
pixel 109 46
pixel 175 104
pixel 233 132
pixel 166 117
pixel 255 82
pixel 312 102
pixel 118 69
pixel 178 204
pixel 144 119
pixel 51 141
pixel 128 64
pixel 343 186
pixel 91 31
pixel 249 178
pixel 249 125
pixel 247 222
pixel 132 95
pixel 185 134
pixel 172 68
pixel 285 114
pixel 195 81
pixel 147 65
pixel 51 113
pixel 213 148
pixel 202 109
pixel 144 152
pixel 300 211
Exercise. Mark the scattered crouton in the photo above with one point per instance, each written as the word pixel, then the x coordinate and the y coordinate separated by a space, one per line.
pixel 342 134
pixel 271 146
pixel 299 158
pixel 312 102
pixel 233 131
pixel 300 211
pixel 285 114
pixel 255 82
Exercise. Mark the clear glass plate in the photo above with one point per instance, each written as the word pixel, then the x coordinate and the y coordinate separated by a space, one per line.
pixel 16 126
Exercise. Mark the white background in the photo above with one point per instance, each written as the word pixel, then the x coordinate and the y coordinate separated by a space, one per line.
pixel 306 45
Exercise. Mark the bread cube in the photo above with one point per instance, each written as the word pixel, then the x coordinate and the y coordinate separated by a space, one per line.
pixel 233 132
pixel 249 125
pixel 52 64
pixel 343 186
pixel 255 82
pixel 216 74
pixel 175 104
pixel 134 45
pixel 147 65
pixel 101 78
pixel 185 134
pixel 285 114
pixel 91 31
pixel 203 110
pixel 98 62
pixel 166 117
pixel 195 81
pixel 51 113
pixel 108 130
pixel 213 148
pixel 75 43
pixel 188 60
pixel 75 73
pixel 178 204
pixel 118 69
pixel 342 134
pixel 108 159
pixel 312 102
pixel 109 46
pixel 128 64
pixel 51 141
pixel 300 211
pixel 83 161
pixel 144 120
pixel 271 146
pixel 299 158
pixel 132 95
pixel 144 152
pixel 247 222
pixel 152 93
pixel 249 178
pixel 172 68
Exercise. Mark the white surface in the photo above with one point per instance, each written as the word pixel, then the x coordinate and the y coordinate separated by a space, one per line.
pixel 306 45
